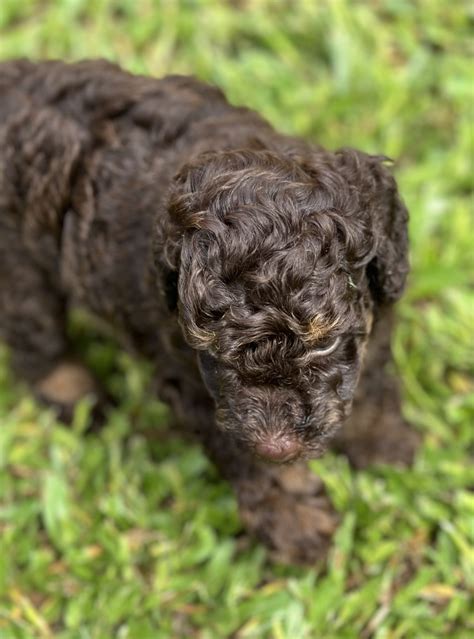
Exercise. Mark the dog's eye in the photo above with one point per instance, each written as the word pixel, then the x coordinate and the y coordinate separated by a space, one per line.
pixel 326 347
pixel 209 371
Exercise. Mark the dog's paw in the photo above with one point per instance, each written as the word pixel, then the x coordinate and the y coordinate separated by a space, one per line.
pixel 290 513
pixel 68 383
pixel 394 443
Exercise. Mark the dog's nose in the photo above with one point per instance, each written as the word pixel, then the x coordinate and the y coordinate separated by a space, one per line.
pixel 278 449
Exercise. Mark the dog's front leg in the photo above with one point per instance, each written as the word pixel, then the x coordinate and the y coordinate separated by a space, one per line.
pixel 284 506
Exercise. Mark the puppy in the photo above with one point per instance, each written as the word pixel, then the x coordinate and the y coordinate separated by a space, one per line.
pixel 256 271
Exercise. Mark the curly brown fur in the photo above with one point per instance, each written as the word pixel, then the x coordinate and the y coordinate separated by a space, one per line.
pixel 254 270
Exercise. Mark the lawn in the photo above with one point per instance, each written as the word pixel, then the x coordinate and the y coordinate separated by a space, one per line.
pixel 129 533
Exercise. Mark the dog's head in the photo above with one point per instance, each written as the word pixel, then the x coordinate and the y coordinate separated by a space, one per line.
pixel 282 260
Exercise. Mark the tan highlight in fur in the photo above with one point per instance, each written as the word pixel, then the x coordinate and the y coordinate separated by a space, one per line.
pixel 319 327
pixel 201 337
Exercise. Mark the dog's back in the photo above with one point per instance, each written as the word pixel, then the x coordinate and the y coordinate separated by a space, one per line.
pixel 87 153
pixel 96 90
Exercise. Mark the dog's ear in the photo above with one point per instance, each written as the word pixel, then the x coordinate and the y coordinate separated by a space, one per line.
pixel 380 201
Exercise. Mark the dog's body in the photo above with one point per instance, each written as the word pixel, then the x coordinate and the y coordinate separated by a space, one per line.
pixel 249 266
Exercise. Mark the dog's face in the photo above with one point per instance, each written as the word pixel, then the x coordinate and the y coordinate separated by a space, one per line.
pixel 282 261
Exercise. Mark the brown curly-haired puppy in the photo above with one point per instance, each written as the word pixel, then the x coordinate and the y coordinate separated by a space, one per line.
pixel 255 270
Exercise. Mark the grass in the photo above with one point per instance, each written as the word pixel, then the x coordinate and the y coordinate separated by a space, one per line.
pixel 114 536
